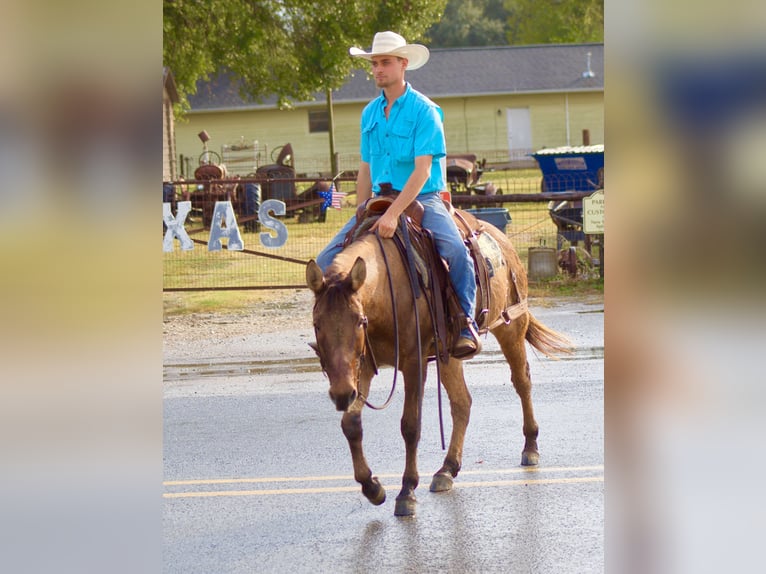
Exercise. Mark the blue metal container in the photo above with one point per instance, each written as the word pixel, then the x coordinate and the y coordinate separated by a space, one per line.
pixel 571 168
pixel 497 216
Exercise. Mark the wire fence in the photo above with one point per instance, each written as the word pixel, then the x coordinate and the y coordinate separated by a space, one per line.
pixel 274 251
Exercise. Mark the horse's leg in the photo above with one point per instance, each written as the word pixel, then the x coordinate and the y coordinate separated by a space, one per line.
pixel 351 423
pixel 511 339
pixel 460 406
pixel 410 426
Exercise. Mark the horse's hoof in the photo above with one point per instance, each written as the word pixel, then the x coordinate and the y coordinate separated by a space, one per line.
pixel 405 506
pixel 529 458
pixel 374 491
pixel 441 482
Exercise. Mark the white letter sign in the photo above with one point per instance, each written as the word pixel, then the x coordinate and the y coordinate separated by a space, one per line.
pixel 175 226
pixel 224 212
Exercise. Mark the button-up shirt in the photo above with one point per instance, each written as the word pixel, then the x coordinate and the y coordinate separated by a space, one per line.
pixel 414 128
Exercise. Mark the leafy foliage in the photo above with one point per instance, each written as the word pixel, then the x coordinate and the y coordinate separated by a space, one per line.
pixel 501 22
pixel 296 48
pixel 471 23
pixel 291 48
pixel 555 21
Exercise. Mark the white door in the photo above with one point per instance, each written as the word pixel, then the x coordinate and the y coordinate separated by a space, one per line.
pixel 519 133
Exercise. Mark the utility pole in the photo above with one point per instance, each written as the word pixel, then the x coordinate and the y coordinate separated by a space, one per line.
pixel 331 130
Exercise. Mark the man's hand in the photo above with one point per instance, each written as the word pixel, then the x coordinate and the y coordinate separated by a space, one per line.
pixel 386 225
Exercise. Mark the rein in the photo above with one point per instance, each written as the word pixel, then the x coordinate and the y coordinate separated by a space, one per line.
pixel 396 334
pixel 413 287
pixel 412 274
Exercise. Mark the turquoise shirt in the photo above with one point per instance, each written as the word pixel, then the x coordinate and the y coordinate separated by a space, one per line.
pixel 415 127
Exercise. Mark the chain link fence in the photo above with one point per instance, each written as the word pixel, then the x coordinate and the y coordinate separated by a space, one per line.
pixel 303 231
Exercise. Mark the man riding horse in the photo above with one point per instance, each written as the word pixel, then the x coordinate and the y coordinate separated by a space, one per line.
pixel 403 150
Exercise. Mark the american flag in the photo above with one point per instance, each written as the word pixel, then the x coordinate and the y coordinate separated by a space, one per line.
pixel 336 197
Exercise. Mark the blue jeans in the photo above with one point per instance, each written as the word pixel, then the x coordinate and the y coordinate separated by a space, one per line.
pixel 449 244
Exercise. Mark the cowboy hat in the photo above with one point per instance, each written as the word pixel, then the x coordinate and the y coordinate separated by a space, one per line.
pixel 391 43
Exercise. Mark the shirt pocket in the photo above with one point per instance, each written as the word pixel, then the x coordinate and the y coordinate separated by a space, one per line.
pixel 404 141
pixel 371 135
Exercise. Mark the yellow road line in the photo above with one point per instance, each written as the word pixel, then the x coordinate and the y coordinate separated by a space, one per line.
pixel 349 477
pixel 321 490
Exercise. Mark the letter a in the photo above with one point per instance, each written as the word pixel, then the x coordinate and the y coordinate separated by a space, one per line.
pixel 224 212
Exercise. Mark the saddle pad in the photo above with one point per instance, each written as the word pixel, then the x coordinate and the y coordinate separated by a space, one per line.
pixel 491 252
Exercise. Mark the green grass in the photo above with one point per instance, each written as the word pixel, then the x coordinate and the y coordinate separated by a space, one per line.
pixel 234 302
pixel 563 286
pixel 226 302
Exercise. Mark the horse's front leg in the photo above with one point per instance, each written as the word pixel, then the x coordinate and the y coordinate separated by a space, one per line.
pixel 410 426
pixel 351 423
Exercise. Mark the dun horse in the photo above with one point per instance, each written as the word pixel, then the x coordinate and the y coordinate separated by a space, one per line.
pixel 354 321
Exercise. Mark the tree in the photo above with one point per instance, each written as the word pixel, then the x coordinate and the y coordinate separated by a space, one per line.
pixel 288 48
pixel 555 21
pixel 471 23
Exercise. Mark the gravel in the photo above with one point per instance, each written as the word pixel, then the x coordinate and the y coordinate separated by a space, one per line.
pixel 275 329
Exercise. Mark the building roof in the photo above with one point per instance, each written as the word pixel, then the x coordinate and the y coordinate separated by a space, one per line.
pixel 452 72
pixel 169 83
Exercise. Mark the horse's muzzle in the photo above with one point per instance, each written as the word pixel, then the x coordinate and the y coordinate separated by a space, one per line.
pixel 344 400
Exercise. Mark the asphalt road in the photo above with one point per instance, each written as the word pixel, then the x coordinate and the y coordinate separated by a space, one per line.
pixel 258 477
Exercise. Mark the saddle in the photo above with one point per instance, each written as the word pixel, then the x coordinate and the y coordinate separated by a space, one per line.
pixel 427 270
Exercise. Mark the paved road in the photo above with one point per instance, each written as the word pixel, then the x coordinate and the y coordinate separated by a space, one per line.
pixel 258 475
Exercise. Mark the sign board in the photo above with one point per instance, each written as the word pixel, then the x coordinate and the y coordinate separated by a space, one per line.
pixel 593 213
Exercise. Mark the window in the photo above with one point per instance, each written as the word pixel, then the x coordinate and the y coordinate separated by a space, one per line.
pixel 319 121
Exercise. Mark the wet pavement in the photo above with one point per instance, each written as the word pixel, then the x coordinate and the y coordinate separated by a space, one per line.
pixel 258 477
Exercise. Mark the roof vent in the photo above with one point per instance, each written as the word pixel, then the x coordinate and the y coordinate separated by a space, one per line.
pixel 588 73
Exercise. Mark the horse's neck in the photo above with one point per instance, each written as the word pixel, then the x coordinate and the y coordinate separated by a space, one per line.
pixel 376 282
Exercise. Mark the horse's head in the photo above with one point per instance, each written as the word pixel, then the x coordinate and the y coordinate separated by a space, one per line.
pixel 339 325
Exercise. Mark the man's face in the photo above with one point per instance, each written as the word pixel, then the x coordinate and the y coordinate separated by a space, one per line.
pixel 388 70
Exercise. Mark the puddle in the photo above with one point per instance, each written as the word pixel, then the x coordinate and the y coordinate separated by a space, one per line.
pixel 311 365
pixel 580 354
pixel 240 368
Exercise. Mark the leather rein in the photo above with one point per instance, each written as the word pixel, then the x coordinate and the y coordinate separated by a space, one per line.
pixel 368 347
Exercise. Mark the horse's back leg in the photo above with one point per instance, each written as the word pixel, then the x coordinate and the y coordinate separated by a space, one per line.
pixel 512 342
pixel 351 423
pixel 460 407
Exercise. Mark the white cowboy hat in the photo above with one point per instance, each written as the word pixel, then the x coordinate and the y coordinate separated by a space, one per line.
pixel 391 43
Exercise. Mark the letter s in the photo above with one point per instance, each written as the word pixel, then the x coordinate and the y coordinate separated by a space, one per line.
pixel 278 207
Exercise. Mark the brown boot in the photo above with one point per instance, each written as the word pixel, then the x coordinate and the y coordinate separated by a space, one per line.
pixel 467 344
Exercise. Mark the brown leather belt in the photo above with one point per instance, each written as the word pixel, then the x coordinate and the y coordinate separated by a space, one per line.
pixel 387 189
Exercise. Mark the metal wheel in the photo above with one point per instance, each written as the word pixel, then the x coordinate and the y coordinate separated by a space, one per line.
pixel 213 157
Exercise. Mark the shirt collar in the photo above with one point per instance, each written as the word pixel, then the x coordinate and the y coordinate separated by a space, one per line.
pixel 382 96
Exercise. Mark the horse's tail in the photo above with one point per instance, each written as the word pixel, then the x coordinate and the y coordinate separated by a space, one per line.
pixel 546 340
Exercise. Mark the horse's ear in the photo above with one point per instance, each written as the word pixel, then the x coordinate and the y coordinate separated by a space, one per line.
pixel 358 274
pixel 314 276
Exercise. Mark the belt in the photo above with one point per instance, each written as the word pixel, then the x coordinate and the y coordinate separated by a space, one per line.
pixel 387 189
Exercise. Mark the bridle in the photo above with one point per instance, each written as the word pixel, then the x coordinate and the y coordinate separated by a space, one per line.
pixel 367 356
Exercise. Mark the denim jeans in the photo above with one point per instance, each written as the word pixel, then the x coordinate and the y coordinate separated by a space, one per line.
pixel 449 244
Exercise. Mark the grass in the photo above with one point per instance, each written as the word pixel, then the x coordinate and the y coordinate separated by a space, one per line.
pixel 227 302
pixel 235 302
pixel 565 287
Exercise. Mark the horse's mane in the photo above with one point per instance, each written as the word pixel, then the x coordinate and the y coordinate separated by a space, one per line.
pixel 364 247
